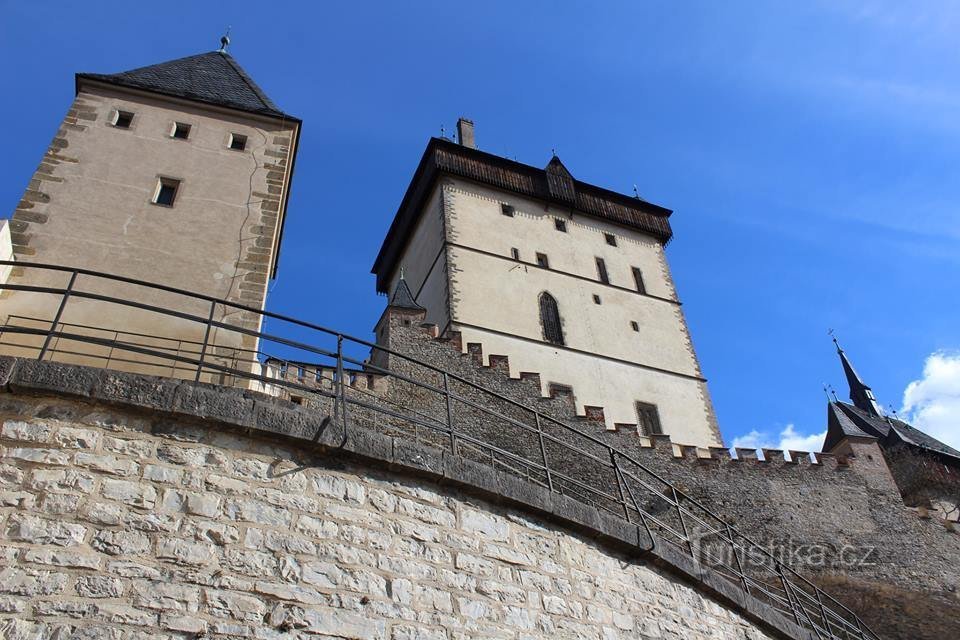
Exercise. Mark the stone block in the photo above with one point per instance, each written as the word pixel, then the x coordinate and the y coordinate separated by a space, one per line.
pixel 36 530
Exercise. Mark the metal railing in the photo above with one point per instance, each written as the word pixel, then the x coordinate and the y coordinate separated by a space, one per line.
pixel 227 343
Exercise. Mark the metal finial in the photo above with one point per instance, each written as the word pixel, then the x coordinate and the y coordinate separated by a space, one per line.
pixel 834 338
pixel 443 132
pixel 401 273
pixel 636 192
pixel 553 151
pixel 833 393
pixel 225 41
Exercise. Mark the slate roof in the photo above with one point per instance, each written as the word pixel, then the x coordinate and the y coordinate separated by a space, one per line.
pixel 887 430
pixel 553 184
pixel 213 78
pixel 403 298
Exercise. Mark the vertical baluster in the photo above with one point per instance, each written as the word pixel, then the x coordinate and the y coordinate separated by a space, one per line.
pixel 206 340
pixel 543 451
pixel 453 435
pixel 59 314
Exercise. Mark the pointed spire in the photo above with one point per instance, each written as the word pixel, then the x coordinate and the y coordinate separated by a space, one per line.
pixel 402 298
pixel 860 393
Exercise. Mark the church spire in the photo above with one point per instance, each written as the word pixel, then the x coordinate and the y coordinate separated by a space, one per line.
pixel 860 393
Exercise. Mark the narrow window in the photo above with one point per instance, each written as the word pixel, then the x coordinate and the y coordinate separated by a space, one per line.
pixel 542 260
pixel 611 239
pixel 550 319
pixel 181 130
pixel 602 271
pixel 596 299
pixel 638 280
pixel 634 325
pixel 648 420
pixel 560 225
pixel 123 119
pixel 515 253
pixel 506 210
pixel 238 142
pixel 166 192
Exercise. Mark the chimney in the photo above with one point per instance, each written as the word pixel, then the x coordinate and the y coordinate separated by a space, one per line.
pixel 465 133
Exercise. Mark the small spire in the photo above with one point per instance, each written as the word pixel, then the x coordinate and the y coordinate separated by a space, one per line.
pixel 860 392
pixel 225 41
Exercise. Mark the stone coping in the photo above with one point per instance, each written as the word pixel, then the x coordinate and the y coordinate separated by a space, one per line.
pixel 264 415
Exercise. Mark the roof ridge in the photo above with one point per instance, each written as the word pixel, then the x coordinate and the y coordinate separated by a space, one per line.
pixel 267 102
pixel 212 77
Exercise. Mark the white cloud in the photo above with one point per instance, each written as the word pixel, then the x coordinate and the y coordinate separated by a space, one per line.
pixel 788 439
pixel 932 404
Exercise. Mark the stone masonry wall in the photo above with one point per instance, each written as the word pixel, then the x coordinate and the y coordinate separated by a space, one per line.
pixel 123 525
pixel 841 520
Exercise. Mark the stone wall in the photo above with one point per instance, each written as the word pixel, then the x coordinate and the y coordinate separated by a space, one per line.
pixel 132 525
pixel 841 520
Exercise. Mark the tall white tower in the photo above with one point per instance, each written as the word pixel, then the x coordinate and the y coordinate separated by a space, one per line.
pixel 567 279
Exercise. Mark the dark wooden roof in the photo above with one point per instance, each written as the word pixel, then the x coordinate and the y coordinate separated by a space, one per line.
pixel 848 420
pixel 554 184
pixel 214 78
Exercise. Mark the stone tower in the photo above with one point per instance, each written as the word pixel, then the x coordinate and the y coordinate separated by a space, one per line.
pixel 567 279
pixel 177 173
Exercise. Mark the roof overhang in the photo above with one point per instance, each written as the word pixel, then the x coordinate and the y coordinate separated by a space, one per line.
pixel 446 158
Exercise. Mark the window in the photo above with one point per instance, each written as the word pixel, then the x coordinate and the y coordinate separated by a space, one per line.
pixel 560 225
pixel 238 142
pixel 550 319
pixel 648 420
pixel 166 192
pixel 506 210
pixel 596 299
pixel 542 261
pixel 602 271
pixel 611 239
pixel 181 131
pixel 634 325
pixel 515 253
pixel 638 280
pixel 123 119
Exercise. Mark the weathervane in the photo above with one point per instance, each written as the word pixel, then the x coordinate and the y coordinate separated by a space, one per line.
pixel 225 40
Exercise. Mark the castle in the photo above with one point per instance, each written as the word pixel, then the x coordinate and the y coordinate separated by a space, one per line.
pixel 527 449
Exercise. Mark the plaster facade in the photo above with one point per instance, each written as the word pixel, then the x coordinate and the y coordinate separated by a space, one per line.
pixel 90 205
pixel 460 265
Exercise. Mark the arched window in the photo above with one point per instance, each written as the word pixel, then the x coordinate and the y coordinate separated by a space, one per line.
pixel 550 319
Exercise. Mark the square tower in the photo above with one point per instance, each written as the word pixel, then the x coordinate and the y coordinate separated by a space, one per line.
pixel 177 174
pixel 567 279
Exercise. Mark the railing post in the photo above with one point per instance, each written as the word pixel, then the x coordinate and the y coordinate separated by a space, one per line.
pixel 446 392
pixel 616 472
pixel 206 340
pixel 683 524
pixel 59 314
pixel 340 388
pixel 823 610
pixel 786 591
pixel 543 450
pixel 736 555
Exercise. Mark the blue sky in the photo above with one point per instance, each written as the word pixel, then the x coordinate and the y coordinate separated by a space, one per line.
pixel 809 151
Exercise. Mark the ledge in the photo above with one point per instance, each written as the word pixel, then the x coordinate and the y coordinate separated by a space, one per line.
pixel 251 411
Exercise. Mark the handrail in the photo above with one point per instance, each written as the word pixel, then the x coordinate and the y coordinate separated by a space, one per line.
pixel 609 476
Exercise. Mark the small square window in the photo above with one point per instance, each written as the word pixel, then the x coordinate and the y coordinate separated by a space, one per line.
pixel 515 253
pixel 166 192
pixel 123 119
pixel 634 325
pixel 596 299
pixel 238 142
pixel 181 131
pixel 560 225
pixel 507 210
pixel 542 261
pixel 611 239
